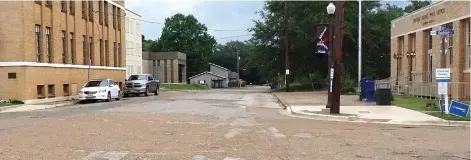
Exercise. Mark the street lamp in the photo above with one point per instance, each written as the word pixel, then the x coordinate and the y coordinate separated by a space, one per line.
pixel 331 9
pixel 330 12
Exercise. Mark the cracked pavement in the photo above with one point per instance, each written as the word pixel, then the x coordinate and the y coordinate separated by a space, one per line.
pixel 218 124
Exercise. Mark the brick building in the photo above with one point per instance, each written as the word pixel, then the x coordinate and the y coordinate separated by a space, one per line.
pixel 415 53
pixel 46 47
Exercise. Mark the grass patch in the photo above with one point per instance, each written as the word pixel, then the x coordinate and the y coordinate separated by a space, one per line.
pixel 301 87
pixel 183 87
pixel 4 103
pixel 428 106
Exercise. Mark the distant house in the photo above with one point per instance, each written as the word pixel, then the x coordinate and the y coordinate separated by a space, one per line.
pixel 216 77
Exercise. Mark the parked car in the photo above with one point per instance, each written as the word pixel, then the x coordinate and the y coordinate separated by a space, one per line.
pixel 141 84
pixel 103 89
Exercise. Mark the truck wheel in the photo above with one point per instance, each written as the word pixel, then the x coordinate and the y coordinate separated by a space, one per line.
pixel 156 92
pixel 147 92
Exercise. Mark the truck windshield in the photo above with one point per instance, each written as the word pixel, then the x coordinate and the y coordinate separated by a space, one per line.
pixel 103 83
pixel 137 77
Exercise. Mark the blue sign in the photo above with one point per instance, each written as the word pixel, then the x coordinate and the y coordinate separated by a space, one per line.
pixel 442 105
pixel 443 32
pixel 443 80
pixel 459 109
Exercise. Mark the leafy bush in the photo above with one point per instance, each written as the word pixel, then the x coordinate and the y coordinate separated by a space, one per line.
pixel 12 101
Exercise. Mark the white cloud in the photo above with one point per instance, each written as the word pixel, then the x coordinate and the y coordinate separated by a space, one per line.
pixel 221 15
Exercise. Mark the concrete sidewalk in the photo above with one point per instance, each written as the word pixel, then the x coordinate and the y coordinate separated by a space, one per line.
pixel 312 105
pixel 32 107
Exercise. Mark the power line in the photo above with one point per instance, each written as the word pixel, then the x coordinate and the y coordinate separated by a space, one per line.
pixel 235 36
pixel 155 22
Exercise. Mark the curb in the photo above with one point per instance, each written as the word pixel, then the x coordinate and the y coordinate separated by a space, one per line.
pixel 286 106
pixel 354 119
pixel 10 107
pixel 69 103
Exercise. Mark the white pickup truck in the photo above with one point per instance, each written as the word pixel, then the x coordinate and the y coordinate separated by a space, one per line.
pixel 141 84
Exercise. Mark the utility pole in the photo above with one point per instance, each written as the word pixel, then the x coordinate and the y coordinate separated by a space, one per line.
pixel 286 46
pixel 339 33
pixel 238 70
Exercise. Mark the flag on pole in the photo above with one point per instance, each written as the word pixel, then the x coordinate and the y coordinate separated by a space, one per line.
pixel 322 42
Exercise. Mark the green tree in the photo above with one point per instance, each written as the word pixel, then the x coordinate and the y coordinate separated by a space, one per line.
pixel 267 50
pixel 185 34
pixel 415 5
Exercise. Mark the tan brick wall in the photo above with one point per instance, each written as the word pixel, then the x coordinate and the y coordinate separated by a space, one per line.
pixel 452 10
pixel 24 86
pixel 18 44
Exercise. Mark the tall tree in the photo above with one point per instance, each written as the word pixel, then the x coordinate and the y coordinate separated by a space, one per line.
pixel 415 5
pixel 302 19
pixel 185 34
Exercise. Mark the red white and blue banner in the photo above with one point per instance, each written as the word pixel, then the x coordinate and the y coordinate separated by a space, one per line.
pixel 322 43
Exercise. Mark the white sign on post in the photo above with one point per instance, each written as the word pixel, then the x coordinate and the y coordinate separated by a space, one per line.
pixel 331 78
pixel 442 77
pixel 287 72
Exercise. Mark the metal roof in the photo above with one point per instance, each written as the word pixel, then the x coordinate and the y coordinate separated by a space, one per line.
pixel 206 72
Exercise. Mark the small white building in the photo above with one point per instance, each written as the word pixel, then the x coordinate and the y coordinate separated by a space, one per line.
pixel 133 39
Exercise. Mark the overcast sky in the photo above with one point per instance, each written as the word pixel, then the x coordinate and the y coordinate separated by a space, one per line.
pixel 216 15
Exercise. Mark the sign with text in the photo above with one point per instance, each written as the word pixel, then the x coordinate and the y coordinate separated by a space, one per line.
pixel 442 88
pixel 459 109
pixel 442 74
pixel 443 32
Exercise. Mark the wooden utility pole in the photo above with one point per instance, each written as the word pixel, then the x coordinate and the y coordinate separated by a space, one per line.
pixel 338 50
pixel 286 45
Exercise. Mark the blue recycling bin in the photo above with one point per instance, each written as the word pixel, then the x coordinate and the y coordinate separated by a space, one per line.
pixel 369 90
pixel 363 88
pixel 273 86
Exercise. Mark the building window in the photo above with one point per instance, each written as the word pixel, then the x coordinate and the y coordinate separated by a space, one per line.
pixel 40 91
pixel 90 11
pixel 63 6
pixel 38 42
pixel 400 52
pixel 114 17
pixel 102 58
pixel 100 12
pixel 115 61
pixel 106 13
pixel 64 41
pixel 84 49
pixel 66 89
pixel 11 75
pixel 450 44
pixel 51 90
pixel 90 52
pixel 468 42
pixel 72 48
pixel 48 45
pixel 84 9
pixel 119 19
pixel 72 7
pixel 119 55
pixel 49 4
pixel 107 53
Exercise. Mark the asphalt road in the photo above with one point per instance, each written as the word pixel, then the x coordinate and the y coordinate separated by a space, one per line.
pixel 218 124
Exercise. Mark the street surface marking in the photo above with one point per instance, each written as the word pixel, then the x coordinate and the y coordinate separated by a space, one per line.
pixel 233 132
pixel 276 133
pixel 111 155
